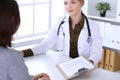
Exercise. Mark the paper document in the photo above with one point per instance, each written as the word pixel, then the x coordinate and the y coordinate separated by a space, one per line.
pixel 71 67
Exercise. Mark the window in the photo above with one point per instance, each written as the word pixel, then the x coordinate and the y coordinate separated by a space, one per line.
pixel 35 18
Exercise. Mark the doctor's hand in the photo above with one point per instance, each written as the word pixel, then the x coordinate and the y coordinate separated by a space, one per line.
pixel 41 76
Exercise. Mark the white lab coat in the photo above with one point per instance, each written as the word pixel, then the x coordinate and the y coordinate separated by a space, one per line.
pixel 92 52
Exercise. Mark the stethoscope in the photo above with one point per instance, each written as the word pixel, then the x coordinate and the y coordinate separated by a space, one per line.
pixel 89 39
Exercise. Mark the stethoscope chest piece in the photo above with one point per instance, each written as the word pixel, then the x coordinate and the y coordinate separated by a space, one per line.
pixel 89 40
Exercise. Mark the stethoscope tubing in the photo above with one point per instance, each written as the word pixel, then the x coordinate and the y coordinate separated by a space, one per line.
pixel 89 40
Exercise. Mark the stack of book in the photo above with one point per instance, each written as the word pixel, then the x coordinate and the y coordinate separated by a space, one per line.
pixel 110 60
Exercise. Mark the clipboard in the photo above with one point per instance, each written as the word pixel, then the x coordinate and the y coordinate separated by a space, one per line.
pixel 74 67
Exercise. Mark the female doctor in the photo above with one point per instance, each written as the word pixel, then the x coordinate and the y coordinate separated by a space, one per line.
pixel 75 35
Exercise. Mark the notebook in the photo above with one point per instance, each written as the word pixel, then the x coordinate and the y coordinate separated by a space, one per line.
pixel 75 67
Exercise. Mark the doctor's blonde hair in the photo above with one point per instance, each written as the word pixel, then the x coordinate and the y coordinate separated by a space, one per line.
pixel 82 2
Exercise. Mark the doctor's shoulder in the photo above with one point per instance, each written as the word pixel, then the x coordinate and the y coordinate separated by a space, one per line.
pixel 58 22
pixel 60 19
pixel 93 23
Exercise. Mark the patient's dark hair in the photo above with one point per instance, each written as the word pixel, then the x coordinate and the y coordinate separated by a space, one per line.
pixel 9 21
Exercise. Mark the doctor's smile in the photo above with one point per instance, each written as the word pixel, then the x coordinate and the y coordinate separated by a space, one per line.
pixel 70 11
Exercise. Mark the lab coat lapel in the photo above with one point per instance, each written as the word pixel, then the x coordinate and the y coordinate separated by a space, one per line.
pixel 82 38
pixel 67 36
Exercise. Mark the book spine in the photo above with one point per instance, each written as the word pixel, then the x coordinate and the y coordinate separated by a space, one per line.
pixel 107 59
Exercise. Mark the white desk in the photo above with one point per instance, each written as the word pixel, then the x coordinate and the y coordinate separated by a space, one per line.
pixel 47 63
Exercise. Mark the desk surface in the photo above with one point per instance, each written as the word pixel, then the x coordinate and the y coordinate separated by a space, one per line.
pixel 47 63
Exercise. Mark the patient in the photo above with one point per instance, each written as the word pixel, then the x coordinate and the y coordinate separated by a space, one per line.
pixel 12 66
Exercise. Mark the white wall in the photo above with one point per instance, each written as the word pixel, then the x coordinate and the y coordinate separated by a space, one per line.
pixel 57 10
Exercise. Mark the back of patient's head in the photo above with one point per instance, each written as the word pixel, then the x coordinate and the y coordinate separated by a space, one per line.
pixel 9 21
